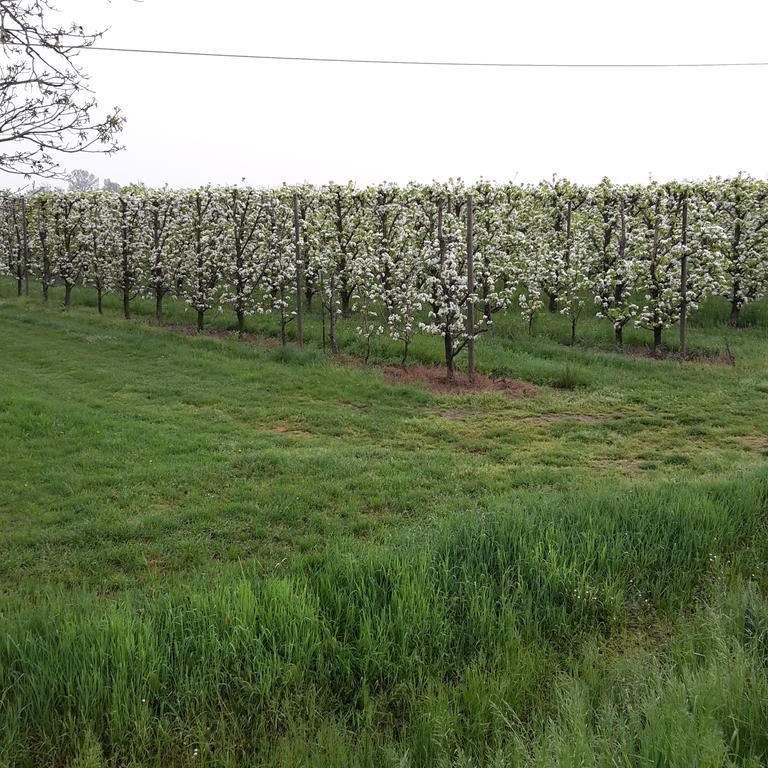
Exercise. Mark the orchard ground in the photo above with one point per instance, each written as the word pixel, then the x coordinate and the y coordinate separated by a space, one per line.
pixel 217 551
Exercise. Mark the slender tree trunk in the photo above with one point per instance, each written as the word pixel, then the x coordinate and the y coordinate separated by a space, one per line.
pixel 530 325
pixel 618 334
pixel 25 244
pixel 657 340
pixel 735 309
pixel 573 332
pixel 684 279
pixel 552 306
pixel 405 352
pixel 45 277
pixel 159 306
pixel 67 294
pixel 487 313
pixel 19 284
pixel 297 247
pixel 618 293
pixel 125 257
pixel 736 288
pixel 470 290
pixel 346 304
pixel 332 317
pixel 448 339
pixel 240 322
pixel 99 297
pixel 283 319
pixel 200 320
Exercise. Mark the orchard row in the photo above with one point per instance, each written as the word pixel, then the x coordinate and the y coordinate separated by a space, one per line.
pixel 441 258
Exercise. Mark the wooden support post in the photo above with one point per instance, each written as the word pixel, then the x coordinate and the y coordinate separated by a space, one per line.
pixel 297 246
pixel 684 277
pixel 470 290
pixel 25 236
pixel 322 302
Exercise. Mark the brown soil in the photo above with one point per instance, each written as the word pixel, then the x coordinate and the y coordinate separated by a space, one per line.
pixel 755 442
pixel 545 418
pixel 460 415
pixel 436 380
pixel 218 333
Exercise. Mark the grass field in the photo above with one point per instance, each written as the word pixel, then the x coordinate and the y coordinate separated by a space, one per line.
pixel 226 553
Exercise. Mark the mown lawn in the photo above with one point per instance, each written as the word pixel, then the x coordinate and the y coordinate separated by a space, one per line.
pixel 218 552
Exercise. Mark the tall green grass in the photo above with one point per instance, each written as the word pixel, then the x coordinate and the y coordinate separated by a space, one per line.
pixel 505 639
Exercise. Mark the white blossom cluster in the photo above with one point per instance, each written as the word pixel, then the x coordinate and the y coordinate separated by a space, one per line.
pixel 396 258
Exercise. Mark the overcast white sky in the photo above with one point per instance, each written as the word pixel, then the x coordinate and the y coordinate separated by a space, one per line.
pixel 193 121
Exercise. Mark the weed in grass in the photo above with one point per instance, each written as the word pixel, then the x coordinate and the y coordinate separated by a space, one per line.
pixel 567 379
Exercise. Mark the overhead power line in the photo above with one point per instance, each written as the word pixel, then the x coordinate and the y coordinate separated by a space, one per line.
pixel 437 63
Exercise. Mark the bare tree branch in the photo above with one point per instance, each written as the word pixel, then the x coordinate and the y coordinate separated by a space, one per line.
pixel 46 105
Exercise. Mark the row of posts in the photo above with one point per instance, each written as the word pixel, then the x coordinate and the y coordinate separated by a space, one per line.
pixel 470 329
pixel 470 282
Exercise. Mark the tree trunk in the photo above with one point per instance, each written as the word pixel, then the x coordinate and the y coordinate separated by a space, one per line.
pixel 735 309
pixel 19 285
pixel 470 291
pixel 332 334
pixel 573 332
pixel 449 354
pixel 200 320
pixel 657 340
pixel 684 279
pixel 67 294
pixel 405 352
pixel 297 247
pixel 126 304
pixel 159 307
pixel 487 313
pixel 45 277
pixel 618 334
pixel 346 304
pixel 552 307
pixel 332 318
pixel 25 244
pixel 99 297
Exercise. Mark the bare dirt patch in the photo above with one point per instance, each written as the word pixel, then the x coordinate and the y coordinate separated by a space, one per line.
pixel 460 415
pixel 757 443
pixel 218 333
pixel 435 380
pixel 284 429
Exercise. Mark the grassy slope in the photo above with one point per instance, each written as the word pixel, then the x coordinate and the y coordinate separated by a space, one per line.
pixel 203 481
